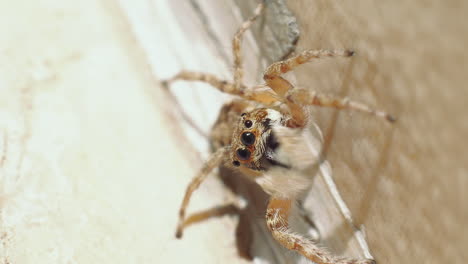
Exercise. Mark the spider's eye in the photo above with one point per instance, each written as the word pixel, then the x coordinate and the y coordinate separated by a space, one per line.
pixel 243 154
pixel 247 138
pixel 236 163
pixel 248 123
pixel 243 114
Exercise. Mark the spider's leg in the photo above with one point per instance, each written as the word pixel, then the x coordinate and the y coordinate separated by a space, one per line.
pixel 243 234
pixel 295 98
pixel 236 45
pixel 260 93
pixel 298 113
pixel 281 86
pixel 277 221
pixel 228 209
pixel 275 70
pixel 215 160
pixel 306 97
pixel 221 85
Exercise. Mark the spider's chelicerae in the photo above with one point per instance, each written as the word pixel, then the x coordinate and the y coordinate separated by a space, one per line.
pixel 261 134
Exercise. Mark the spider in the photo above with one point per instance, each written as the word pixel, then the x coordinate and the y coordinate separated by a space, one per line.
pixel 262 135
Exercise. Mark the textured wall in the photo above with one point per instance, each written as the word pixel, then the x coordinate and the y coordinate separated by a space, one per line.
pixel 404 182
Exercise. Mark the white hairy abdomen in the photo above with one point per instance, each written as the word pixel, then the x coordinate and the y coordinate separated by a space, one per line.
pixel 295 152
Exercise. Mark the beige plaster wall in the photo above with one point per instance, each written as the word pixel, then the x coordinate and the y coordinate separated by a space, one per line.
pixel 405 182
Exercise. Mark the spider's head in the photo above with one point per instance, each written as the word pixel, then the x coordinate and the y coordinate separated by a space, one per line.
pixel 253 140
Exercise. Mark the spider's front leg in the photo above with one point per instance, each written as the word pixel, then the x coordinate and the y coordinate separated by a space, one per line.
pixel 295 98
pixel 306 97
pixel 236 45
pixel 281 86
pixel 277 221
pixel 214 162
pixel 221 85
pixel 260 93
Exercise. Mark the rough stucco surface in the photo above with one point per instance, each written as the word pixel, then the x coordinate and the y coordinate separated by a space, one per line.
pixel 93 169
pixel 405 182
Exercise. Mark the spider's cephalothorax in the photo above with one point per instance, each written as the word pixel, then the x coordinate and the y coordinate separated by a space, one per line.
pixel 253 142
pixel 268 145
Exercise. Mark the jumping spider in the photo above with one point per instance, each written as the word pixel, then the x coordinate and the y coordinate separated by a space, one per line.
pixel 262 135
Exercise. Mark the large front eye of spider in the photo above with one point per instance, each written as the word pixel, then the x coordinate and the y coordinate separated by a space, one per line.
pixel 247 138
pixel 243 154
